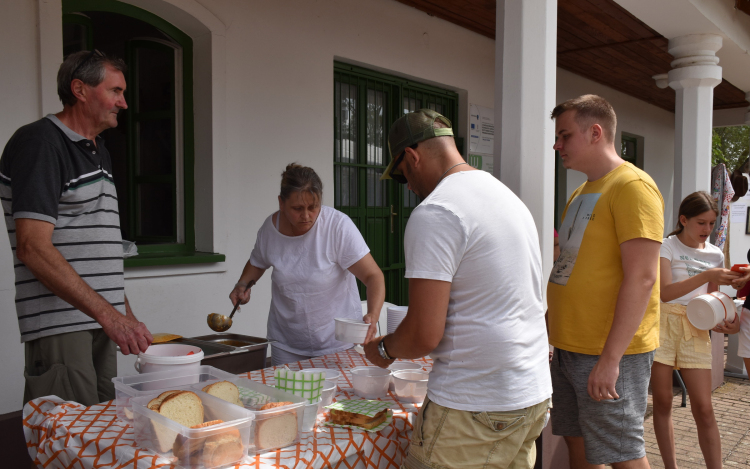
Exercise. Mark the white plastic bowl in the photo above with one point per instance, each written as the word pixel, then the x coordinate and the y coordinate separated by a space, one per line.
pixel 411 385
pixel 370 382
pixel 398 366
pixel 330 375
pixel 168 357
pixel 326 397
pixel 350 330
pixel 706 311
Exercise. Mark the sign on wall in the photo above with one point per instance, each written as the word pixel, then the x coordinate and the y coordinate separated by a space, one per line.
pixel 481 130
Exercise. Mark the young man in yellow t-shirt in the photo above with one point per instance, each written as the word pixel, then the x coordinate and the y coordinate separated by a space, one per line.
pixel 603 293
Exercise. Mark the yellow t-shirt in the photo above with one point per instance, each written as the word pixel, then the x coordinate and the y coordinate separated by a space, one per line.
pixel 582 291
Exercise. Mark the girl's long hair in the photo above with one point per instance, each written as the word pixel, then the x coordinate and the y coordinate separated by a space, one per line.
pixel 692 206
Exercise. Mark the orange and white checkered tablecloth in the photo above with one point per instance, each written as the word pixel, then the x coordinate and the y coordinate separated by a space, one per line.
pixel 62 434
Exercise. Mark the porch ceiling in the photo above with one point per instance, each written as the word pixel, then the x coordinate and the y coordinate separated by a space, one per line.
pixel 596 39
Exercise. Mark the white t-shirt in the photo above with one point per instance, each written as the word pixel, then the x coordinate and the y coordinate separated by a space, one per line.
pixel 474 232
pixel 688 262
pixel 310 283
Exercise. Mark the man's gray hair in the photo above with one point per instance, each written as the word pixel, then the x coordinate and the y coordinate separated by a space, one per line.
pixel 91 72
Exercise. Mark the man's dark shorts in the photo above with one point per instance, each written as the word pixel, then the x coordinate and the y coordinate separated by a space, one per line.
pixel 75 366
pixel 612 430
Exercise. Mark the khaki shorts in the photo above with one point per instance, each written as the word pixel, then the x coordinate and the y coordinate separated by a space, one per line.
pixel 678 344
pixel 449 438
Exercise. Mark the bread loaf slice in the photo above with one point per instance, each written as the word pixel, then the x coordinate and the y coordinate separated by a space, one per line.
pixel 185 449
pixel 224 448
pixel 276 432
pixel 224 390
pixel 183 407
pixel 154 403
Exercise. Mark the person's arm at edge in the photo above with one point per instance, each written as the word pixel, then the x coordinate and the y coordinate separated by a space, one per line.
pixel 35 249
pixel 640 261
pixel 367 271
pixel 423 327
pixel 249 274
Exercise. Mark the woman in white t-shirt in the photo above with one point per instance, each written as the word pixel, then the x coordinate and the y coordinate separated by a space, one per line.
pixel 689 266
pixel 316 252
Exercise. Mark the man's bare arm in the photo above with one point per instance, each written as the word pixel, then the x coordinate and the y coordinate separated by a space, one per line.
pixel 34 248
pixel 423 327
pixel 640 261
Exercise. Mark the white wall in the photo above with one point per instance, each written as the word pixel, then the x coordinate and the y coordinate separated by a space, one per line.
pixel 637 117
pixel 20 105
pixel 279 109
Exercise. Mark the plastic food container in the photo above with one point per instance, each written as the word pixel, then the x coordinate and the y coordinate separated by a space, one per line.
pixel 350 330
pixel 411 385
pixel 331 375
pixel 397 366
pixel 168 357
pixel 329 390
pixel 274 428
pixel 706 311
pixel 128 387
pixel 209 447
pixel 370 382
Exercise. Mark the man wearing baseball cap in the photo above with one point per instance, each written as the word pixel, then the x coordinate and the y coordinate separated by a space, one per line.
pixel 475 306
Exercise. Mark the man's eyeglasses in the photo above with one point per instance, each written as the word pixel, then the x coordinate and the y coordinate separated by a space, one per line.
pixel 88 57
pixel 399 178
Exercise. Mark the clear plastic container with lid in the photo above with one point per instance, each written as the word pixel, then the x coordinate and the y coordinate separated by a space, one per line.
pixel 128 387
pixel 276 427
pixel 208 447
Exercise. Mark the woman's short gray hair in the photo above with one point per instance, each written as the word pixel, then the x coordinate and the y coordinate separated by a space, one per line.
pixel 298 178
pixel 91 72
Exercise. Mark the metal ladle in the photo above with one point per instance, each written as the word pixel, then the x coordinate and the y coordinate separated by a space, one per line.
pixel 221 323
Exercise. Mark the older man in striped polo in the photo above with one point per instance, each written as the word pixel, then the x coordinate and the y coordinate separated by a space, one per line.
pixel 61 211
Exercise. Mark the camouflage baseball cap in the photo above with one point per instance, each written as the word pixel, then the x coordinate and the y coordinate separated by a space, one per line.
pixel 410 129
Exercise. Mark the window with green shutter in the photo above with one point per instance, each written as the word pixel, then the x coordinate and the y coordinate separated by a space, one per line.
pixel 366 103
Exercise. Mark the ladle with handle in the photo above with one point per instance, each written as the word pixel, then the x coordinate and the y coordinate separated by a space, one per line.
pixel 221 323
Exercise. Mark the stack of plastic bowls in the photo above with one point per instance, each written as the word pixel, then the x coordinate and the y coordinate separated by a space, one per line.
pixel 398 366
pixel 396 314
pixel 706 311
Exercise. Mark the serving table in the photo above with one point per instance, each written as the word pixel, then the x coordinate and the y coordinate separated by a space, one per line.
pixel 62 434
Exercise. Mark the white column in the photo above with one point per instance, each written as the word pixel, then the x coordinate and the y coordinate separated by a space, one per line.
pixel 695 73
pixel 525 94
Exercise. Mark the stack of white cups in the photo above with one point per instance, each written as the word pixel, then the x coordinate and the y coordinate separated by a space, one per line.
pixel 396 314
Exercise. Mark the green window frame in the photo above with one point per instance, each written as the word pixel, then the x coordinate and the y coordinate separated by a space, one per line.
pixel 170 252
pixel 366 103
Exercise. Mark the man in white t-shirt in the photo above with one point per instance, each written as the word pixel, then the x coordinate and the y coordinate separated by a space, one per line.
pixel 475 306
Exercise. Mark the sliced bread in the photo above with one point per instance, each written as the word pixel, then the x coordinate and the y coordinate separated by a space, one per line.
pixel 184 407
pixel 224 448
pixel 185 449
pixel 224 390
pixel 154 403
pixel 276 432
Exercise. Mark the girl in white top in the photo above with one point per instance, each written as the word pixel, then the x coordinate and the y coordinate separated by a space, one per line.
pixel 689 266
pixel 316 252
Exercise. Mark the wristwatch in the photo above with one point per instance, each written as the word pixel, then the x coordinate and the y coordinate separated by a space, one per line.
pixel 381 350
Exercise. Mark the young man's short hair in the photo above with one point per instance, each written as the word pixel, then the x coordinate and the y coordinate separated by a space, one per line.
pixel 590 109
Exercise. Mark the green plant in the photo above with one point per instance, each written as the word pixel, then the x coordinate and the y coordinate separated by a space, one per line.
pixel 730 145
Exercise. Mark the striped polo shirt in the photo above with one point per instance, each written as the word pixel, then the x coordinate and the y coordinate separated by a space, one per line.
pixel 50 173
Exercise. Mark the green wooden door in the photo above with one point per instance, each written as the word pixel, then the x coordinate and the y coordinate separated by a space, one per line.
pixel 365 105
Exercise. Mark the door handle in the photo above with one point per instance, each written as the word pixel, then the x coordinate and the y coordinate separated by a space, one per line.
pixel 393 214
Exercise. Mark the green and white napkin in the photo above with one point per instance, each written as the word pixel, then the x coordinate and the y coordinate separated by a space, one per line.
pixel 364 407
pixel 253 398
pixel 307 385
